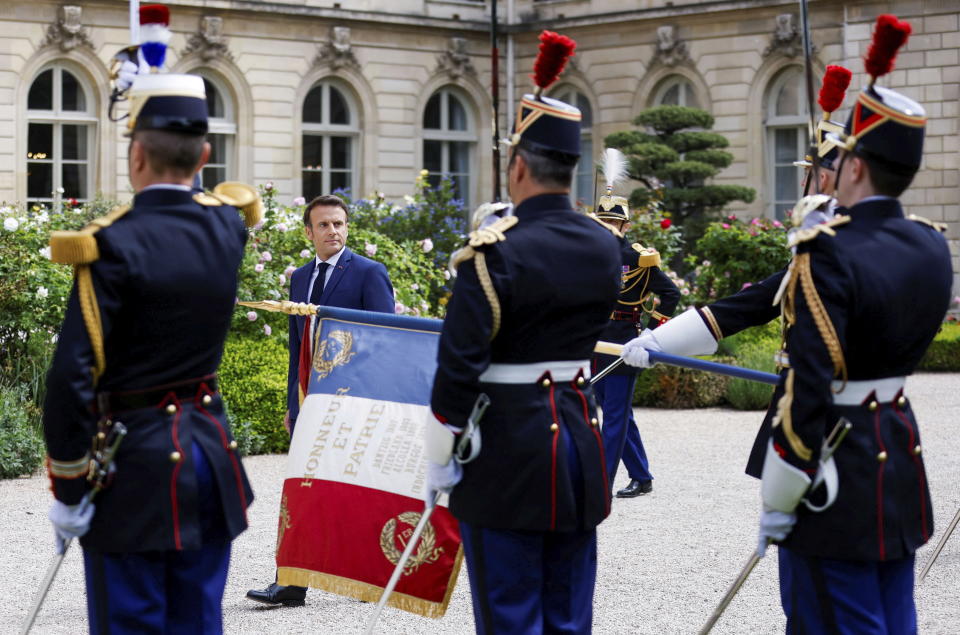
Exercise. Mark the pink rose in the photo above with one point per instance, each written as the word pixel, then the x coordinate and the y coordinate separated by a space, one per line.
pixel 283 279
pixel 725 226
pixel 304 253
pixel 289 271
pixel 297 202
pixel 399 308
pixel 370 249
pixel 267 330
pixel 258 267
pixel 266 256
pixel 252 316
pixel 777 223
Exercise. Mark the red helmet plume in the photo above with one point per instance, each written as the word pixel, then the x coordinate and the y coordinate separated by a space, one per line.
pixel 555 50
pixel 888 36
pixel 834 88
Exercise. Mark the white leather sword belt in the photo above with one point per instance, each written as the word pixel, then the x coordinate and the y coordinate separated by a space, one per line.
pixel 529 373
pixel 856 392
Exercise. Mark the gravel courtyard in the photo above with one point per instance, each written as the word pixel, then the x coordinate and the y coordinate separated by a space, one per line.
pixel 665 559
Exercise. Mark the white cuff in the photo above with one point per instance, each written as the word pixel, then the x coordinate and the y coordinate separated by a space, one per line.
pixel 783 485
pixel 438 439
pixel 686 334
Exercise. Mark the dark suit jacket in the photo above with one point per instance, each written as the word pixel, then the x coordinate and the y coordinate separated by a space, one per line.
pixel 356 283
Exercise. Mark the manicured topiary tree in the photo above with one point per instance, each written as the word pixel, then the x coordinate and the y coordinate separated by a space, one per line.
pixel 674 151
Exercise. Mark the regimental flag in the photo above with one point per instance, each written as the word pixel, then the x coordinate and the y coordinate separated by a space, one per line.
pixel 355 479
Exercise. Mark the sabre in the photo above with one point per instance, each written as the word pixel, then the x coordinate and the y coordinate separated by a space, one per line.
pixel 401 563
pixel 102 470
pixel 833 441
pixel 808 69
pixel 609 348
pixel 939 547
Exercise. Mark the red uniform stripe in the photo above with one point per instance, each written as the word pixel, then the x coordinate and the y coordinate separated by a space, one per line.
pixel 174 506
pixel 596 434
pixel 553 460
pixel 230 453
pixel 921 477
pixel 876 426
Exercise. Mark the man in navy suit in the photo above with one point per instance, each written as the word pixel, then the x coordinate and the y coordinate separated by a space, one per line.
pixel 335 277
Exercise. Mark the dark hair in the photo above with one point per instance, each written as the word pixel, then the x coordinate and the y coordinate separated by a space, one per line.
pixel 325 200
pixel 171 151
pixel 544 170
pixel 886 179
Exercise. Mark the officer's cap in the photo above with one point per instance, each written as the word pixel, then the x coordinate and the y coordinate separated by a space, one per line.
pixel 169 102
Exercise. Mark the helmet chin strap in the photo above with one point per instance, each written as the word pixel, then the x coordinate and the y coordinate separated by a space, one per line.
pixel 836 179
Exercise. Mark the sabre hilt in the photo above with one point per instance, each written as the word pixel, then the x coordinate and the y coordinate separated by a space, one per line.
pixel 468 445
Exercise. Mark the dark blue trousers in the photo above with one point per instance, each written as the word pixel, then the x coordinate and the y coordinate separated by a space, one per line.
pixel 530 582
pixel 621 437
pixel 163 592
pixel 847 597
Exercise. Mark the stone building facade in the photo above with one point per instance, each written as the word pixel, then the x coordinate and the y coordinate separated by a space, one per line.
pixel 316 94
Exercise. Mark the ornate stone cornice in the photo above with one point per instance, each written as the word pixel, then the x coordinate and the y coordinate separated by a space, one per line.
pixel 337 52
pixel 67 32
pixel 786 38
pixel 208 42
pixel 455 61
pixel 671 50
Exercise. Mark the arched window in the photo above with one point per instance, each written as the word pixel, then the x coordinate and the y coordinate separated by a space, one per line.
pixel 222 116
pixel 449 137
pixel 676 90
pixel 331 134
pixel 786 118
pixel 61 136
pixel 582 191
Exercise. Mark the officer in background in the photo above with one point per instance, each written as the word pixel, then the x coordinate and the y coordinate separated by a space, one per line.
pixel 533 294
pixel 641 278
pixel 140 344
pixel 868 294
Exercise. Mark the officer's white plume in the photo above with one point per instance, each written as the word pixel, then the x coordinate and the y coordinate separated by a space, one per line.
pixel 614 166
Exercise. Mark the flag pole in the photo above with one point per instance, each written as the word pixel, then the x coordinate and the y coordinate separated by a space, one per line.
pixel 495 95
pixel 134 21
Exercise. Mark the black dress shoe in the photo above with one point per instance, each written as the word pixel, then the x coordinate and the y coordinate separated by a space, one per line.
pixel 279 595
pixel 635 488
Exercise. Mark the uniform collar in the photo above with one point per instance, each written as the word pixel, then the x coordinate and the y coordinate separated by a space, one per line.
pixel 544 202
pixel 876 207
pixel 163 195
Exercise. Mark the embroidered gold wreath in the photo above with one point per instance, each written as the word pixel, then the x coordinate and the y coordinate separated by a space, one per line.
pixel 284 523
pixel 332 352
pixel 427 552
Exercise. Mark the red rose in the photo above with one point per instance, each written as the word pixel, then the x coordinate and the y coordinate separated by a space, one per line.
pixel 665 223
pixel 73 202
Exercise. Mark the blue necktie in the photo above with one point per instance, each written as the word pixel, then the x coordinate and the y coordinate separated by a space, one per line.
pixel 318 284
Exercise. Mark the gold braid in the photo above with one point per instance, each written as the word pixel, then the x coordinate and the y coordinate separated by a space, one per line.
pixel 91 318
pixel 481 261
pixel 821 317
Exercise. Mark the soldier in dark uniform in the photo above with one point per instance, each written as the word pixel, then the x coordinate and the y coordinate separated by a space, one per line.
pixel 140 344
pixel 533 294
pixel 641 278
pixel 867 294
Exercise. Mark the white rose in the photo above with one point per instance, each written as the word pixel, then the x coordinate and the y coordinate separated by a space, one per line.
pixel 42 292
pixel 11 224
pixel 45 252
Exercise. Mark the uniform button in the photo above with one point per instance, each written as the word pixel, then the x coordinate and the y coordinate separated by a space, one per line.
pixel 101 436
pixel 171 409
pixel 594 422
pixel 546 382
pixel 581 381
pixel 233 445
pixel 882 456
pixel 917 450
pixel 873 406
pixel 901 402
pixel 207 400
pixel 175 457
pixel 554 427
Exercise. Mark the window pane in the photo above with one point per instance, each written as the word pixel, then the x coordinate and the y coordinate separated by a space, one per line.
pixel 75 180
pixel 72 93
pixel 788 187
pixel 584 176
pixel 782 209
pixel 586 113
pixel 214 100
pixel 74 142
pixel 456 114
pixel 339 111
pixel 431 115
pixel 690 100
pixel 459 157
pixel 211 175
pixel 340 151
pixel 785 145
pixel 41 92
pixel 313 105
pixel 39 180
pixel 433 156
pixel 339 181
pixel 672 96
pixel 218 149
pixel 789 98
pixel 461 186
pixel 312 185
pixel 312 151
pixel 40 141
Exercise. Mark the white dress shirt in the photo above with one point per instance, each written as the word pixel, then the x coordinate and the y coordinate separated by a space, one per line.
pixel 332 261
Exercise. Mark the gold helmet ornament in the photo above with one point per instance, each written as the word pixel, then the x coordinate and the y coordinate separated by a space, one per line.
pixel 610 207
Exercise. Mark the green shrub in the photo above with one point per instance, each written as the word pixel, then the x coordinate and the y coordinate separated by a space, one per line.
pixel 673 387
pixel 943 355
pixel 253 379
pixel 21 446
pixel 743 394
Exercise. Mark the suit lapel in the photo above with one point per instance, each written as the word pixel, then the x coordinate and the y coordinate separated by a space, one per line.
pixel 337 275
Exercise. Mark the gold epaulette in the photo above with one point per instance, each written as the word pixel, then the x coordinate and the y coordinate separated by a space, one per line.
pixel 610 229
pixel 492 233
pixel 808 234
pixel 940 227
pixel 649 257
pixel 80 247
pixel 240 195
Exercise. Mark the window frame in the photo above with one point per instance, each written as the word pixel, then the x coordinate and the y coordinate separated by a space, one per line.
pixel 57 117
pixel 325 130
pixel 669 82
pixel 225 126
pixel 571 94
pixel 773 121
pixel 445 135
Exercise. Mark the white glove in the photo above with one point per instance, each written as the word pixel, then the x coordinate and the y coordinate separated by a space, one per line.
pixel 774 526
pixel 70 521
pixel 126 74
pixel 441 479
pixel 636 351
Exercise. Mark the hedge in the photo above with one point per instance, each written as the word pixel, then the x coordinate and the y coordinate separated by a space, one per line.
pixel 21 446
pixel 943 355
